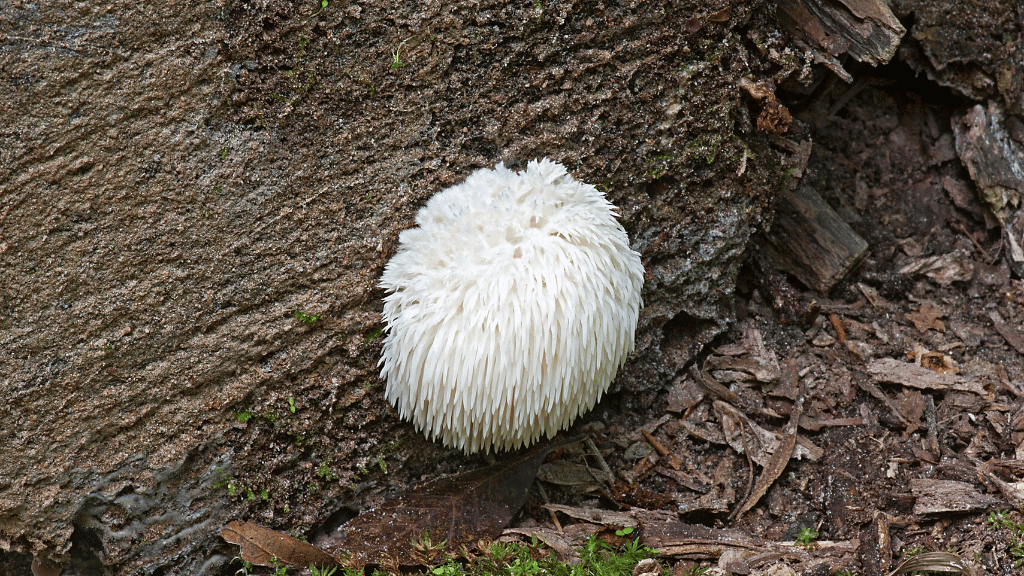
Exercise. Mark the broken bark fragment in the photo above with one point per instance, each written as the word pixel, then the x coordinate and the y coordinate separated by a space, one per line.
pixel 936 496
pixel 955 266
pixel 993 159
pixel 865 29
pixel 673 538
pixel 907 374
pixel 810 241
pixel 1012 335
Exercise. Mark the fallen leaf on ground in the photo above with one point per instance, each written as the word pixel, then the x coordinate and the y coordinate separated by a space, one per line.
pixel 931 562
pixel 1013 336
pixel 927 318
pixel 267 547
pixel 441 516
pixel 780 457
pixel 575 478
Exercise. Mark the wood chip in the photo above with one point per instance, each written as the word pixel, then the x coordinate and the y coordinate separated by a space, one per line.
pixel 810 241
pixel 837 325
pixel 907 374
pixel 1012 335
pixel 674 461
pixel 937 496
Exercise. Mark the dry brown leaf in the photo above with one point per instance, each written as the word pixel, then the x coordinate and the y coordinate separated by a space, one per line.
pixel 780 457
pixel 441 516
pixel 1013 336
pixel 574 477
pixel 927 318
pixel 267 547
pixel 563 545
pixel 931 562
pixel 938 362
pixel 744 435
pixel 683 395
pixel 596 515
pixel 911 404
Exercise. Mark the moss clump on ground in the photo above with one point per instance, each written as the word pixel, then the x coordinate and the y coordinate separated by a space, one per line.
pixel 596 558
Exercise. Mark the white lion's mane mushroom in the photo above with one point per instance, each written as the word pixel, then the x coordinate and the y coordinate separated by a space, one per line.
pixel 510 308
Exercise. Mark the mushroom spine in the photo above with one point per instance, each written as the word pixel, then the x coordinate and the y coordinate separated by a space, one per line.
pixel 509 308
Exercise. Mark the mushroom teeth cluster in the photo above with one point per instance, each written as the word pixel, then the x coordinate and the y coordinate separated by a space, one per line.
pixel 509 309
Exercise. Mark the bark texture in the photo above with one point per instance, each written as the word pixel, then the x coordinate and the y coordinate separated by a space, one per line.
pixel 185 186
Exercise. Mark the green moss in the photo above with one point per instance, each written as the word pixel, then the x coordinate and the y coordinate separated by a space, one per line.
pixel 596 558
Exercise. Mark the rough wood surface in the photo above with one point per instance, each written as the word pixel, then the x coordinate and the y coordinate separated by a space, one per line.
pixel 866 29
pixel 936 496
pixel 810 241
pixel 992 157
pixel 909 374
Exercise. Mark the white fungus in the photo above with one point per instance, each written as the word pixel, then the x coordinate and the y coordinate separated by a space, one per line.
pixel 510 308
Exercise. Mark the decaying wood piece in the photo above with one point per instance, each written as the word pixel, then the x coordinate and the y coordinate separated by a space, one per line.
pixel 876 546
pixel 995 161
pixel 865 29
pixel 810 241
pixel 1012 335
pixel 937 496
pixel 992 157
pixel 896 372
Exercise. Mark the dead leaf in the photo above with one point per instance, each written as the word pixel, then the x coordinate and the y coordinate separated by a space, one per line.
pixel 721 16
pixel 780 457
pixel 267 547
pixel 876 300
pixel 563 545
pixel 911 404
pixel 927 318
pixel 596 515
pixel 574 477
pixel 743 434
pixel 938 362
pixel 441 516
pixel 683 395
pixel 931 562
